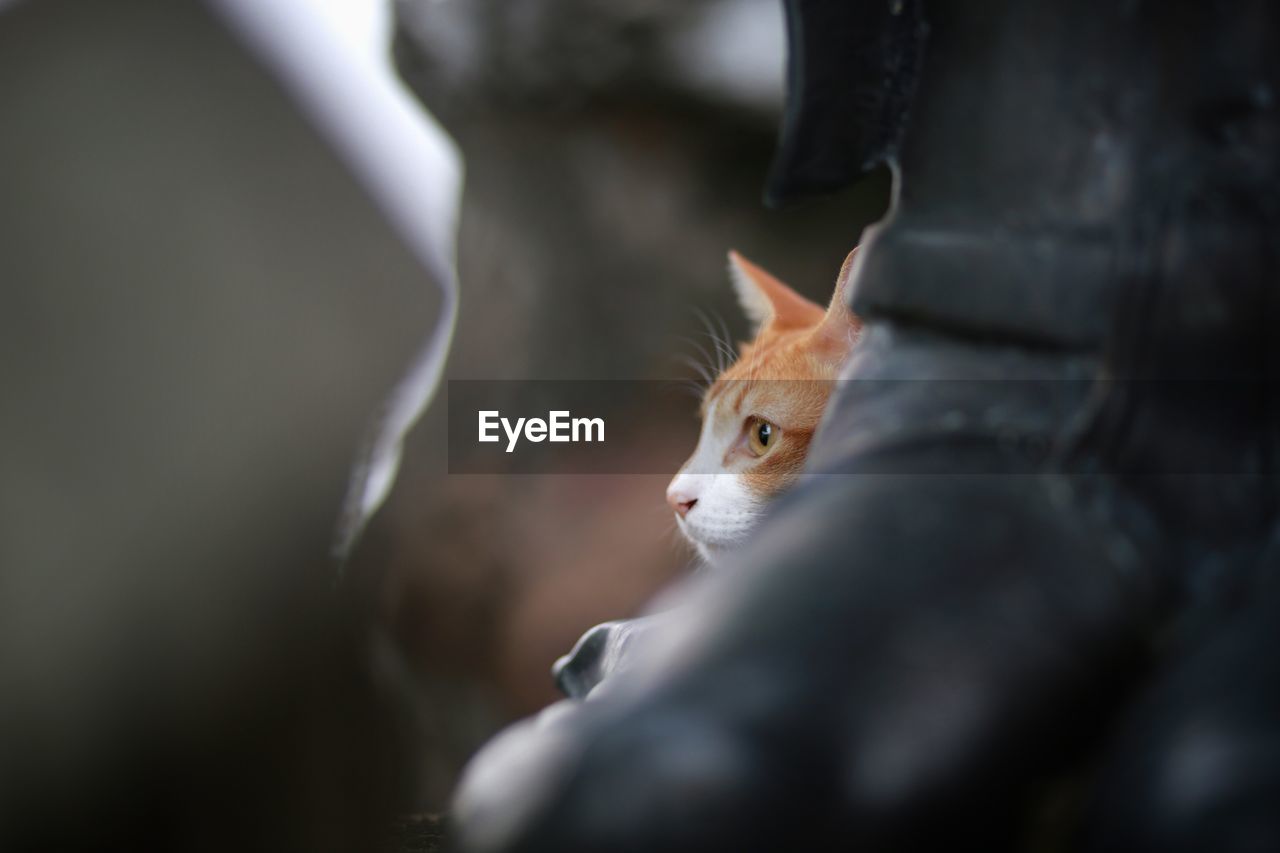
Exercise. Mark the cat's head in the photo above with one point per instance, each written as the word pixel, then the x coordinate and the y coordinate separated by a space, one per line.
pixel 759 414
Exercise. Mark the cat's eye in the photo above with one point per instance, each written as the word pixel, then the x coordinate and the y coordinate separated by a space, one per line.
pixel 761 435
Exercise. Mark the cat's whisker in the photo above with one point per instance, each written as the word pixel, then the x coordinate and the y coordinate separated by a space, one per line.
pixel 708 361
pixel 698 367
pixel 718 333
pixel 705 368
pixel 706 331
pixel 677 542
pixel 679 365
pixel 700 382
pixel 726 356
pixel 726 342
pixel 717 347
pixel 689 385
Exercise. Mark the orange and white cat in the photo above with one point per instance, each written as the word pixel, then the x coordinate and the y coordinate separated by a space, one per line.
pixel 760 414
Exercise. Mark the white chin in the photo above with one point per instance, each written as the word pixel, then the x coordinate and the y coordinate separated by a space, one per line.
pixel 718 554
pixel 712 554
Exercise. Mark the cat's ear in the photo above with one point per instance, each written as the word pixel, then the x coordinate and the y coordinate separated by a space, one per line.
pixel 840 326
pixel 767 301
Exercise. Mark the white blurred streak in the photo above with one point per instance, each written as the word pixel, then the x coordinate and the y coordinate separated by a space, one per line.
pixel 735 50
pixel 333 58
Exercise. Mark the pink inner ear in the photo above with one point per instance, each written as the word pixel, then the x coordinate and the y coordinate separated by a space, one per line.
pixel 838 310
pixel 837 332
pixel 840 326
pixel 842 280
pixel 789 309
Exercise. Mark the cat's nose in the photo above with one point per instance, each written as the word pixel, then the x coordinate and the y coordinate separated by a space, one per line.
pixel 680 502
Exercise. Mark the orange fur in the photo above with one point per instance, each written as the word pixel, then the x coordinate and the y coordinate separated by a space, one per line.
pixel 785 375
pixel 782 379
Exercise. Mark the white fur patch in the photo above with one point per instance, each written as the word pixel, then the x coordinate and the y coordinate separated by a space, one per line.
pixel 726 510
pixel 755 304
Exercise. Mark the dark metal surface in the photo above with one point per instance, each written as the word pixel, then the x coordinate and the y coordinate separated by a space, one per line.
pixel 851 73
pixel 1088 192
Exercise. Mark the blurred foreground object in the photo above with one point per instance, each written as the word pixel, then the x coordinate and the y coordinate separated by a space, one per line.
pixel 203 311
pixel 1038 540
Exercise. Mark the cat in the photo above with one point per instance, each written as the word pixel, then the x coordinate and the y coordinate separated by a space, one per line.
pixel 760 414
